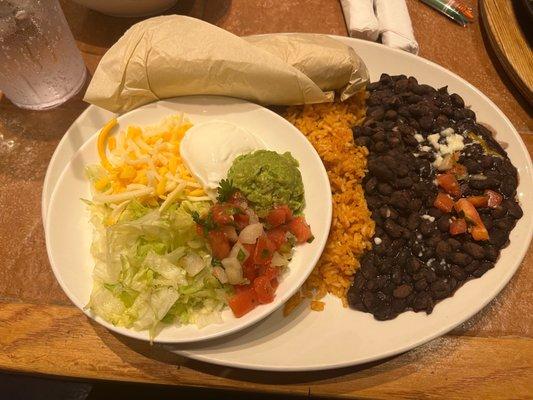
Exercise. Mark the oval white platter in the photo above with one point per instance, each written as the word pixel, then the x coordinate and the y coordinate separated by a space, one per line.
pixel 339 337
pixel 69 233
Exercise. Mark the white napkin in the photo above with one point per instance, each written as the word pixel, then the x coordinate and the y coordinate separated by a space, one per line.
pixel 395 25
pixel 360 19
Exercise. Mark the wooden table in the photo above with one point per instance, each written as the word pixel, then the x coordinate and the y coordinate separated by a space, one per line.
pixel 41 332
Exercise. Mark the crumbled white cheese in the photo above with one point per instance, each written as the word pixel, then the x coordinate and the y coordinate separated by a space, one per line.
pixel 447 132
pixel 453 143
pixel 427 149
pixel 418 236
pixel 428 217
pixel 416 154
pixel 420 254
pixel 419 138
pixel 377 240
pixel 434 140
pixel 438 161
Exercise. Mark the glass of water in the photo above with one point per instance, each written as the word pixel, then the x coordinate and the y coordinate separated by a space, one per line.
pixel 40 65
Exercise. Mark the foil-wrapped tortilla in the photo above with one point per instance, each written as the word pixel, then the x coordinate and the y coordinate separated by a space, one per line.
pixel 171 56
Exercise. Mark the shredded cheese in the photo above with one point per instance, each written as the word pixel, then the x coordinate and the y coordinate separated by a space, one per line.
pixel 145 163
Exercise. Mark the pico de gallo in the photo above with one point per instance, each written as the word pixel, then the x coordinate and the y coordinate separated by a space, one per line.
pixel 250 251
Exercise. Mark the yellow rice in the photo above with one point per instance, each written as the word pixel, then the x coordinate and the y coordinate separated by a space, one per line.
pixel 328 128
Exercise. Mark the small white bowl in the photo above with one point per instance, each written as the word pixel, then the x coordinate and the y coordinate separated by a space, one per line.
pixel 69 234
pixel 128 8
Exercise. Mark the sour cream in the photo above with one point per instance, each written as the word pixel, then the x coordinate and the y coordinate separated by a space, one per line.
pixel 208 150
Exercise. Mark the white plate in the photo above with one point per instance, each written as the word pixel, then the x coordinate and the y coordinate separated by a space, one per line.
pixel 69 234
pixel 341 337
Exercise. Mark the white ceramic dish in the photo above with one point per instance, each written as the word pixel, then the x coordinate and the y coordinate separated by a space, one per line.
pixel 128 8
pixel 341 337
pixel 69 234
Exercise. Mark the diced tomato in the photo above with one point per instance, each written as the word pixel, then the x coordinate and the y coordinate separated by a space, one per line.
pixel 449 183
pixel 272 273
pixel 238 198
pixel 279 215
pixel 457 226
pixel 494 198
pixel 264 250
pixel 249 270
pixel 277 236
pixel 263 289
pixel 469 211
pixel 459 170
pixel 299 228
pixel 219 244
pixel 478 201
pixel 274 282
pixel 443 202
pixel 243 302
pixel 241 220
pixel 479 233
pixel 222 213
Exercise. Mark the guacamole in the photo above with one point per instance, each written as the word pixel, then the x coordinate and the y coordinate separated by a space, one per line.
pixel 267 179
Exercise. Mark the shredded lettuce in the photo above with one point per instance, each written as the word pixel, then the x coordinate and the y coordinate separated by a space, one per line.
pixel 152 268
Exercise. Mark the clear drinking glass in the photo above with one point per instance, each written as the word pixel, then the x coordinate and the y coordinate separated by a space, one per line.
pixel 40 65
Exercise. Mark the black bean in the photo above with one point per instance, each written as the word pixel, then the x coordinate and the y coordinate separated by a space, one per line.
pixel 442 120
pixel 354 299
pixel 443 223
pixel 413 265
pixel 398 305
pixel 381 171
pixel 475 250
pixel 363 141
pixel 415 204
pixel 457 272
pixel 393 229
pixel 443 249
pixel 369 271
pixel 426 122
pixel 440 288
pixel 508 186
pixel 371 184
pixel 491 253
pixel 461 259
pixel 422 301
pixel 430 275
pixel 402 291
pixel 454 244
pixel 359 281
pixel 400 200
pixel 413 221
pixel 426 227
pixel 457 100
pixel 369 300
pixel 514 209
pixel 498 237
pixel 421 285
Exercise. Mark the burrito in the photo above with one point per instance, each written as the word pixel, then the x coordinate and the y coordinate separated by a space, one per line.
pixel 172 56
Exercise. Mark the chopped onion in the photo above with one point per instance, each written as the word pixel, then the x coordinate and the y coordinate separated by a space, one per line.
pixel 447 163
pixel 233 270
pixel 478 177
pixel 220 274
pixel 251 233
pixel 254 219
pixel 192 263
pixel 278 260
pixel 230 233
pixel 236 250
